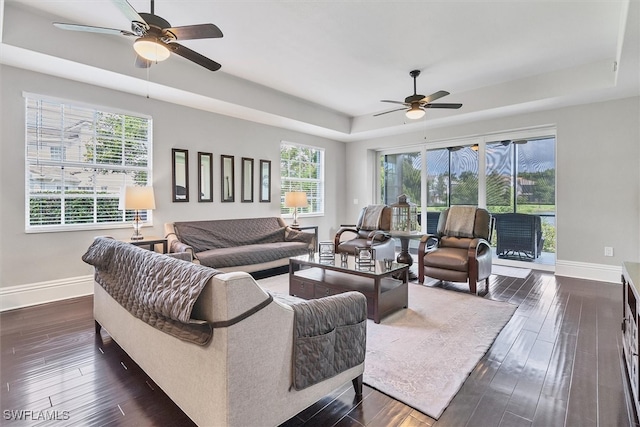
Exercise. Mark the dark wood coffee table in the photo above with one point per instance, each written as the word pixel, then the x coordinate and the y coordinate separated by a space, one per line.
pixel 386 290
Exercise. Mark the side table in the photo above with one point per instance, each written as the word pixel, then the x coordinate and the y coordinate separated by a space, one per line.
pixel 151 242
pixel 404 256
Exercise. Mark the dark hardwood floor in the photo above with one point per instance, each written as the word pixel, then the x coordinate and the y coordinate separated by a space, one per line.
pixel 556 363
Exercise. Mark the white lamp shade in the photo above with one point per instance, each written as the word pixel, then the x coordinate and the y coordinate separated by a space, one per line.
pixel 139 198
pixel 151 49
pixel 415 112
pixel 295 199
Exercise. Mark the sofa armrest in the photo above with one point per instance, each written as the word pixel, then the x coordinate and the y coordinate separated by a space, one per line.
pixel 175 245
pixel 293 235
pixel 329 337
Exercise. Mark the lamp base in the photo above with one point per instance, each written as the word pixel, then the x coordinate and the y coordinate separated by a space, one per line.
pixel 137 225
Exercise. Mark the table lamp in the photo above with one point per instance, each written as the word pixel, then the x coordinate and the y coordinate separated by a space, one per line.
pixel 295 200
pixel 137 198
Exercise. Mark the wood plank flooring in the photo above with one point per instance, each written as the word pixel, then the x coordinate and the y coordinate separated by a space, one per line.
pixel 558 362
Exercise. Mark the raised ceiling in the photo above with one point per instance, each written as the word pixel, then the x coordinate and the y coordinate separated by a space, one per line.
pixel 323 67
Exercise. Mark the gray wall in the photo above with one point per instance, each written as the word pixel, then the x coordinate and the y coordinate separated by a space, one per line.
pixel 598 174
pixel 598 177
pixel 33 258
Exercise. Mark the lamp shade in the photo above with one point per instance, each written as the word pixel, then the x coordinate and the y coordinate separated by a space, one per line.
pixel 295 199
pixel 151 49
pixel 415 112
pixel 136 197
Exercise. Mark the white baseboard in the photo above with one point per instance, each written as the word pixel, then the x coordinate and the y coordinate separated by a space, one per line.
pixel 39 293
pixel 583 270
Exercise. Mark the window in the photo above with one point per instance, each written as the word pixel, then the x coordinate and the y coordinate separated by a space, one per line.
pixel 521 176
pixel 402 174
pixel 77 160
pixel 302 169
pixel 452 177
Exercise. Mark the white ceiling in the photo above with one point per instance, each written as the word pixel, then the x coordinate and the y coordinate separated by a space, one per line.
pixel 495 57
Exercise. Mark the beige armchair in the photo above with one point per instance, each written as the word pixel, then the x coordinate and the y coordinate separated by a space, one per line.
pixel 462 251
pixel 372 230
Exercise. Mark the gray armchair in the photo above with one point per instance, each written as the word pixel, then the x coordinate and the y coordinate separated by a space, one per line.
pixel 372 229
pixel 462 252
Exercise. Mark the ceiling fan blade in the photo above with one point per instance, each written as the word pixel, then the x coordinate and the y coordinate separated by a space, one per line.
pixel 390 111
pixel 128 10
pixel 439 94
pixel 443 105
pixel 194 56
pixel 200 31
pixel 90 29
pixel 395 102
pixel 142 63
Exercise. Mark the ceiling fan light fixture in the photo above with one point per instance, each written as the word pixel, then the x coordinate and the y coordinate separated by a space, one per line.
pixel 415 112
pixel 151 49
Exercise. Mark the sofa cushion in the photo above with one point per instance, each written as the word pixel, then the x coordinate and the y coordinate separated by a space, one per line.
pixel 225 233
pixel 251 254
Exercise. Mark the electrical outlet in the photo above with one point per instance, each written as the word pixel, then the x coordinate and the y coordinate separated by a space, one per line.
pixel 355 201
pixel 608 251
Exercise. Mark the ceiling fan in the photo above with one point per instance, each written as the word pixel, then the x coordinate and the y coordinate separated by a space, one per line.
pixel 417 103
pixel 156 38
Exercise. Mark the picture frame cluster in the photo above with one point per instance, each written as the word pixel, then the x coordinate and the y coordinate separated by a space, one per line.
pixel 180 178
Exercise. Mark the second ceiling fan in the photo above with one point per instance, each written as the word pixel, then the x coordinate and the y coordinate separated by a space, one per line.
pixel 417 103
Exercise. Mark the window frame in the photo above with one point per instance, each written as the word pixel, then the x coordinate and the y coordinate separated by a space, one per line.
pixel 319 184
pixel 91 168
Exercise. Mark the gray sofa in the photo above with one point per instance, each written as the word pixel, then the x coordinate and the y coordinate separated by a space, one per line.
pixel 246 244
pixel 247 373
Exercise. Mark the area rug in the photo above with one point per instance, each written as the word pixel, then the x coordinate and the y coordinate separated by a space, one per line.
pixel 422 355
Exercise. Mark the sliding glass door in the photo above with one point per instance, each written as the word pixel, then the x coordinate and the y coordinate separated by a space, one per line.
pixel 506 176
pixel 521 177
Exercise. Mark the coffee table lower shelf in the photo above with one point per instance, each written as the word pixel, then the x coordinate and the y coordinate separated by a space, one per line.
pixel 385 295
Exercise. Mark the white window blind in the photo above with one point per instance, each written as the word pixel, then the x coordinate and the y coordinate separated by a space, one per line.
pixel 77 160
pixel 302 169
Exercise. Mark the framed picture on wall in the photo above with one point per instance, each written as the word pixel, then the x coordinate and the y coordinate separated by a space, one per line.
pixel 205 177
pixel 227 185
pixel 265 181
pixel 180 175
pixel 246 193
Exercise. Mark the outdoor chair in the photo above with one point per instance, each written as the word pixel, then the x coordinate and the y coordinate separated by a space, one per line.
pixel 432 221
pixel 519 235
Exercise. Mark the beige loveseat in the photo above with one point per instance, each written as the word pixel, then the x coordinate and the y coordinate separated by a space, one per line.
pixel 245 244
pixel 243 376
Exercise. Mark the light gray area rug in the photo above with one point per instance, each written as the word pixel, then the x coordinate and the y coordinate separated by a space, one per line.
pixel 422 355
